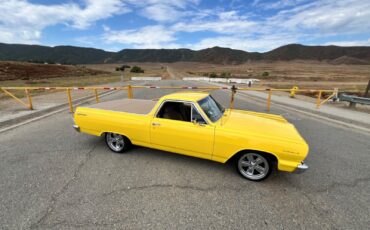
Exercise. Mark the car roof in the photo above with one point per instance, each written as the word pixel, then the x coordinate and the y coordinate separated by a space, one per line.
pixel 187 96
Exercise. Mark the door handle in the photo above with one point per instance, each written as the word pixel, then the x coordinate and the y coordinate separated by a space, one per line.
pixel 156 124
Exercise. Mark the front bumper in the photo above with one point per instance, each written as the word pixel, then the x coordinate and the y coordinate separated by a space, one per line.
pixel 301 167
pixel 76 127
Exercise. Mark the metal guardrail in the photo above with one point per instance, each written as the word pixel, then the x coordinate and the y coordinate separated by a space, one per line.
pixel 130 88
pixel 353 100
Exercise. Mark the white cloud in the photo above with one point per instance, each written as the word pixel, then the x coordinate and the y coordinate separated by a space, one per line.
pixel 278 4
pixel 96 10
pixel 228 22
pixel 147 37
pixel 106 28
pixel 22 21
pixel 350 43
pixel 175 3
pixel 326 17
pixel 281 22
pixel 298 21
pixel 164 10
pixel 162 13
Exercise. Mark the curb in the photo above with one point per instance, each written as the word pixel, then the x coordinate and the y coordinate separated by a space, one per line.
pixel 4 125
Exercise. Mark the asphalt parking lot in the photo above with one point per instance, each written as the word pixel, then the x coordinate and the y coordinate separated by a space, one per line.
pixel 55 178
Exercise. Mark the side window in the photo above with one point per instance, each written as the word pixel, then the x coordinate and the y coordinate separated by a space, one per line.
pixel 196 117
pixel 175 111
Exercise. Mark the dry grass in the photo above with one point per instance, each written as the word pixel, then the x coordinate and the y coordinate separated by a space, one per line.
pixel 151 69
pixel 305 74
pixel 30 71
pixel 61 81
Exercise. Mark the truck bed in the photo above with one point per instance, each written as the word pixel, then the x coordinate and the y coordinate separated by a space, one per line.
pixel 137 106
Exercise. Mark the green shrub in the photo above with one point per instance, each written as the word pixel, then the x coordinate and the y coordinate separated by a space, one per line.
pixel 213 75
pixel 136 69
pixel 265 74
pixel 225 75
pixel 122 68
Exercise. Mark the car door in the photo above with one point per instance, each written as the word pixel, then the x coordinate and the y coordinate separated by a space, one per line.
pixel 174 131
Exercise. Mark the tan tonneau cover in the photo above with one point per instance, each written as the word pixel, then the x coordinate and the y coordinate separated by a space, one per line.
pixel 138 106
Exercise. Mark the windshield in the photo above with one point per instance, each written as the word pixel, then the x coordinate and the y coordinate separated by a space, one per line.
pixel 211 108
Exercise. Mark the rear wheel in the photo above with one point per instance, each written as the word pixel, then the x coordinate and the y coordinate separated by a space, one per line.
pixel 254 166
pixel 117 143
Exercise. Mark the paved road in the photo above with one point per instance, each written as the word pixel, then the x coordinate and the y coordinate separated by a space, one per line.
pixel 55 178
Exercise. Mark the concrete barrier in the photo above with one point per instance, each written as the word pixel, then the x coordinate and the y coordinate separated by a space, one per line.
pixel 146 78
pixel 195 78
pixel 222 80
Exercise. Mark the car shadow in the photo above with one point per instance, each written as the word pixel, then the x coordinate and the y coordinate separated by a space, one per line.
pixel 227 170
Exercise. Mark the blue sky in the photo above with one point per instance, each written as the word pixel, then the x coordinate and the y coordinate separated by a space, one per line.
pixel 254 25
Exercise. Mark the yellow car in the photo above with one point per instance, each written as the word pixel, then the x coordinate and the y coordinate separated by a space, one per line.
pixel 195 124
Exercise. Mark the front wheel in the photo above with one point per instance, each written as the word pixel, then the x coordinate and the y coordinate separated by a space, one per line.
pixel 117 143
pixel 254 166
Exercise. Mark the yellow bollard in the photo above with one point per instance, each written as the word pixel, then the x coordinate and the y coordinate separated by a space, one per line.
pixel 269 100
pixel 293 91
pixel 335 94
pixel 318 101
pixel 70 100
pixel 96 95
pixel 129 92
pixel 30 106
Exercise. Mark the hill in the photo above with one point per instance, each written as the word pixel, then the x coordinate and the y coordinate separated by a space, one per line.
pixel 217 55
pixel 349 61
pixel 221 55
pixel 57 54
pixel 319 53
pixel 152 55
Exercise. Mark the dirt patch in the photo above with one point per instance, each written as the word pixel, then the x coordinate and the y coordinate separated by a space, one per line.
pixel 285 74
pixel 150 69
pixel 31 72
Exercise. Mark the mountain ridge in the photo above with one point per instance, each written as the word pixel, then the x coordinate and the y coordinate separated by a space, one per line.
pixel 217 55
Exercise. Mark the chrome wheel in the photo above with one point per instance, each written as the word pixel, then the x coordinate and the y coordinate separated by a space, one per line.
pixel 253 166
pixel 115 142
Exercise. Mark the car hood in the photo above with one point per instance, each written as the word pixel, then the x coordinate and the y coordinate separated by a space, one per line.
pixel 261 124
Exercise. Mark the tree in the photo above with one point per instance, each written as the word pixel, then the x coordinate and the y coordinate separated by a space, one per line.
pixel 225 75
pixel 136 69
pixel 265 74
pixel 122 69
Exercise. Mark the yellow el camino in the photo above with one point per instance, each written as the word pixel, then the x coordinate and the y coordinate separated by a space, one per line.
pixel 194 124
